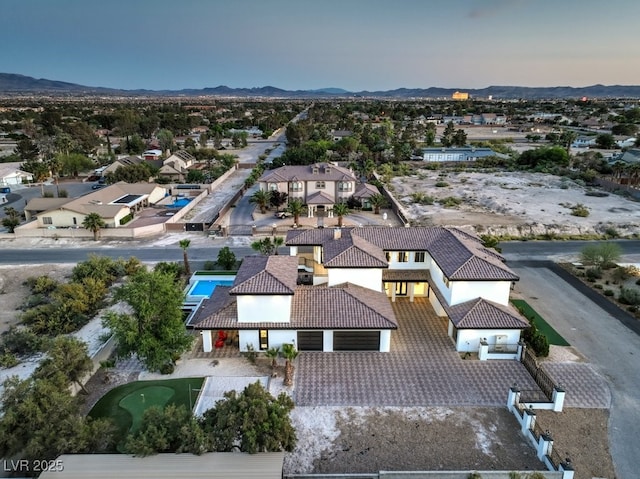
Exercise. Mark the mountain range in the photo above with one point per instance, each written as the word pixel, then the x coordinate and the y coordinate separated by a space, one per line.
pixel 14 85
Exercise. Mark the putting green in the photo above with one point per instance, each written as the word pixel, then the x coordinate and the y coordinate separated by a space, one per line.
pixel 137 402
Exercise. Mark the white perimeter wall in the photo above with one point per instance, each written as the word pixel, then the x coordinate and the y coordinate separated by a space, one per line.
pixel 370 278
pixel 258 309
pixel 469 339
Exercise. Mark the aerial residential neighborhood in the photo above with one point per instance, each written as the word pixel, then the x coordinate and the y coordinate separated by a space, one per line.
pixel 367 240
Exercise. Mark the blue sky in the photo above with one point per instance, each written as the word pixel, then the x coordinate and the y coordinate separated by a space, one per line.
pixel 308 44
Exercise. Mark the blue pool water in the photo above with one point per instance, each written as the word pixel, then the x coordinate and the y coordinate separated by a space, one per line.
pixel 206 287
pixel 180 202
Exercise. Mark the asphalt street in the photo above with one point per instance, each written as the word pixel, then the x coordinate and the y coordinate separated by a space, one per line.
pixel 609 346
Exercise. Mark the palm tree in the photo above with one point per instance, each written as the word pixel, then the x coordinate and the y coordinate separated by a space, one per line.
pixel 290 353
pixel 277 242
pixel 94 223
pixel 377 201
pixel 272 353
pixel 296 208
pixel 341 210
pixel 261 198
pixel 184 244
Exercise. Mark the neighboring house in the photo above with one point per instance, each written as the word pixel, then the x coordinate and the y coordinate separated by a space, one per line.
pixel 441 155
pixel 364 192
pixel 176 166
pixel 11 174
pixel 268 309
pixel 584 142
pixel 464 281
pixel 338 135
pixel 124 161
pixel 113 203
pixel 319 186
pixel 152 154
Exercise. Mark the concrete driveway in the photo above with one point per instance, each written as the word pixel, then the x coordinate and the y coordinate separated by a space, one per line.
pixel 611 348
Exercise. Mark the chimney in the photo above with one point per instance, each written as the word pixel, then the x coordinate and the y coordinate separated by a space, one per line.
pixel 337 233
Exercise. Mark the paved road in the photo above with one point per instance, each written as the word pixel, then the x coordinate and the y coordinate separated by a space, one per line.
pixel 610 347
pixel 147 254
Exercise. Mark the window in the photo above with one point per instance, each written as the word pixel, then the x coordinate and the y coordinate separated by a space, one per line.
pixel 314 170
pixel 420 257
pixel 344 186
pixel 403 256
pixel 75 221
pixel 295 186
pixel 46 220
pixel 388 255
pixel 319 185
pixel 264 339
pixel 273 187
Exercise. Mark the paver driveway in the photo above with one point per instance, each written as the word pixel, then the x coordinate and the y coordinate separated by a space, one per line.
pixel 422 369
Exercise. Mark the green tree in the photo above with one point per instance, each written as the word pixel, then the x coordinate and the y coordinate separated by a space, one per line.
pixel 69 358
pixel 27 150
pixel 226 258
pixel 261 198
pixel 448 134
pixel 184 245
pixel 94 223
pixel 40 420
pixel 273 353
pixel 172 429
pixel 264 246
pixel 73 163
pixel 601 255
pixel 460 138
pixel 195 176
pixel 165 140
pixel 155 331
pixel 296 207
pixel 278 241
pixel 251 421
pixel 606 141
pixel 290 353
pixel 277 199
pixel 341 210
pixel 12 220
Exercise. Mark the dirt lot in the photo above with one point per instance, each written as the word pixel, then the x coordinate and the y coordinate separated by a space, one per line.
pixel 513 203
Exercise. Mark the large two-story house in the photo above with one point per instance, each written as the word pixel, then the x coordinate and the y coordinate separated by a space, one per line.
pixel 319 186
pixel 355 274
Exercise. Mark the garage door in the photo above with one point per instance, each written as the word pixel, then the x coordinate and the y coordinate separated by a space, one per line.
pixel 310 341
pixel 356 340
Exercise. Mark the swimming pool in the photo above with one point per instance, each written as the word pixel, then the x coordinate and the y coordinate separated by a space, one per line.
pixel 205 287
pixel 179 203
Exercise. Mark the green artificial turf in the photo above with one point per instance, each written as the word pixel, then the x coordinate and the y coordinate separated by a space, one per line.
pixel 545 328
pixel 125 405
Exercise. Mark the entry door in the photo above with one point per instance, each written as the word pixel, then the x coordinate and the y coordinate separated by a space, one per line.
pixel 401 289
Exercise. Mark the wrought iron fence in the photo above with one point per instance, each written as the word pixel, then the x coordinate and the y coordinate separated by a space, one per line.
pixel 539 375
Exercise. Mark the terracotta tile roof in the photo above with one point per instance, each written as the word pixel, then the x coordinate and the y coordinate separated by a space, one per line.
pixel 345 306
pixel 266 275
pixel 351 251
pixel 459 255
pixel 365 190
pixel 305 173
pixel 320 198
pixel 419 275
pixel 482 314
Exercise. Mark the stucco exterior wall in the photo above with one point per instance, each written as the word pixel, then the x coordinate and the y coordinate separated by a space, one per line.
pixel 469 339
pixel 272 308
pixel 370 278
pixel 496 291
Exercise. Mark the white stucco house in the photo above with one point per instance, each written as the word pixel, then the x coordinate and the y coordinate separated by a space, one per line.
pixel 11 174
pixel 353 276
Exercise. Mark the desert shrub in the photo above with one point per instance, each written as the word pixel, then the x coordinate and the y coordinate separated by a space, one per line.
pixel 167 368
pixel 422 198
pixel 47 194
pixel 41 284
pixel 612 232
pixel 593 274
pixel 540 344
pixel 629 296
pixel 598 286
pixel 8 360
pixel 580 210
pixel 34 300
pixel 608 292
pixel 251 353
pixel 441 184
pixel 22 342
pixel 209 265
pixel 450 202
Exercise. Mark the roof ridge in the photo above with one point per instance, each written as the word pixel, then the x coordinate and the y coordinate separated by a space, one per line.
pixel 350 287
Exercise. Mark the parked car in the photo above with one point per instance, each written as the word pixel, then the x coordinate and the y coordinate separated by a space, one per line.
pixel 97 186
pixel 5 189
pixel 283 214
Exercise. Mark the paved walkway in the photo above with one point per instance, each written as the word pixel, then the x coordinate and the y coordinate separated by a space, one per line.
pixel 423 369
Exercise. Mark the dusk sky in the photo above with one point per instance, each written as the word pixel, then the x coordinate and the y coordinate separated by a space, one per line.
pixel 308 44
